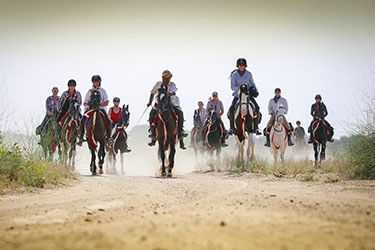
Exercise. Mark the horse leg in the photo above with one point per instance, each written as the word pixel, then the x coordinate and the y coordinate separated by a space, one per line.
pixel 275 156
pixel 282 152
pixel 93 164
pixel 316 153
pixel 172 153
pixel 114 162
pixel 73 150
pixel 323 152
pixel 162 158
pixel 122 163
pixel 101 155
pixel 251 147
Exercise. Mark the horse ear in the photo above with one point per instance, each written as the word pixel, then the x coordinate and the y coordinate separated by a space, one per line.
pixel 127 106
pixel 123 106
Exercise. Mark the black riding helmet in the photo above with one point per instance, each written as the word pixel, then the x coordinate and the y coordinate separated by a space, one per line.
pixel 298 122
pixel 72 82
pixel 318 96
pixel 241 61
pixel 96 78
pixel 116 99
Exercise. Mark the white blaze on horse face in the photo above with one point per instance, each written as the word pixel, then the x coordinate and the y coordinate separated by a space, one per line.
pixel 243 104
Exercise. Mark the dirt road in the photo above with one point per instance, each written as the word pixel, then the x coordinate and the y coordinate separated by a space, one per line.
pixel 193 211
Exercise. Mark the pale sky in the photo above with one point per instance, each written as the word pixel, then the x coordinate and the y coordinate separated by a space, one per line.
pixel 303 47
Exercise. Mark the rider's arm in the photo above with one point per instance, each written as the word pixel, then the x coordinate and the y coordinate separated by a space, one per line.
pixel 221 111
pixel 286 106
pixel 312 111
pixel 270 108
pixel 109 113
pixel 104 104
pixel 233 82
pixel 150 100
pixel 79 98
pixel 252 83
pixel 47 103
pixel 325 110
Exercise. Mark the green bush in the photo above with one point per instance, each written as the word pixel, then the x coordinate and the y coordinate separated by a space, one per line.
pixel 18 168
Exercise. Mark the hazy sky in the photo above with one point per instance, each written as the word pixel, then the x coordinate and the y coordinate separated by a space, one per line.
pixel 303 47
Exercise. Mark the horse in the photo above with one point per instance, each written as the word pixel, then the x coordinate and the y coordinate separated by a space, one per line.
pixel 212 133
pixel 244 125
pixel 319 133
pixel 279 134
pixel 95 129
pixel 166 130
pixel 197 139
pixel 69 132
pixel 49 138
pixel 120 141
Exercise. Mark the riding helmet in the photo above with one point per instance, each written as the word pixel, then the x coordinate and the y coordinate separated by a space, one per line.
pixel 298 122
pixel 96 78
pixel 72 82
pixel 277 90
pixel 116 99
pixel 241 61
pixel 318 96
pixel 214 93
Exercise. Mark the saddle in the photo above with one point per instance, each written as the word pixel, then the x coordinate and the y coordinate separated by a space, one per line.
pixel 286 128
pixel 174 116
pixel 120 130
pixel 91 112
pixel 236 106
pixel 316 123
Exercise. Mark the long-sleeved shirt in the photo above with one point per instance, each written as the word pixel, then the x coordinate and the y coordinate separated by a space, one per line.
pixel 237 80
pixel 103 96
pixel 171 87
pixel 51 104
pixel 199 116
pixel 319 110
pixel 65 96
pixel 275 102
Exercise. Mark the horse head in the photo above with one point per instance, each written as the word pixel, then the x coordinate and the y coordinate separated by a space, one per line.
pixel 125 116
pixel 212 116
pixel 280 113
pixel 74 109
pixel 94 99
pixel 244 100
pixel 163 99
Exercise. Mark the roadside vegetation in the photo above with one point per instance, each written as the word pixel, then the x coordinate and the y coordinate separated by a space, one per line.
pixel 24 168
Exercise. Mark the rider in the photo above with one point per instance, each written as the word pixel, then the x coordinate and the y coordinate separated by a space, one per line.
pixel 319 110
pixel 217 105
pixel 272 106
pixel 67 97
pixel 52 105
pixel 199 117
pixel 299 133
pixel 238 77
pixel 114 114
pixel 171 88
pixel 96 81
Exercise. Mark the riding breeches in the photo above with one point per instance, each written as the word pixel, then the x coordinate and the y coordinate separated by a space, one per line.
pixel 272 120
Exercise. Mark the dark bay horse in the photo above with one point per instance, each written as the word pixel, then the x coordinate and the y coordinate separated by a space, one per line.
pixel 69 132
pixel 95 129
pixel 212 133
pixel 244 125
pixel 166 131
pixel 319 133
pixel 197 139
pixel 49 138
pixel 120 140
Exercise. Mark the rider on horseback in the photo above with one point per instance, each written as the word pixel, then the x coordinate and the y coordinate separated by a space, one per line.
pixel 319 111
pixel 67 97
pixel 96 81
pixel 217 105
pixel 199 118
pixel 114 114
pixel 273 104
pixel 299 133
pixel 238 77
pixel 52 106
pixel 171 88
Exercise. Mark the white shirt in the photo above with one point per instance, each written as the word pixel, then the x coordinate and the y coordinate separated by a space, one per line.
pixel 273 105
pixel 103 96
pixel 171 87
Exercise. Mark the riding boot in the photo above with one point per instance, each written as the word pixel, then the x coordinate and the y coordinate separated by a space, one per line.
pixel 80 132
pixel 127 149
pixel 223 144
pixel 267 144
pixel 330 135
pixel 257 130
pixel 290 143
pixel 231 123
pixel 310 139
pixel 152 133
pixel 182 144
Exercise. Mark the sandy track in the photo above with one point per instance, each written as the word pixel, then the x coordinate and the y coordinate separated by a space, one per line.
pixel 194 211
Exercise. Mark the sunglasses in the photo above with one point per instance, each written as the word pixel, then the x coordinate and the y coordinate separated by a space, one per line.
pixel 55 91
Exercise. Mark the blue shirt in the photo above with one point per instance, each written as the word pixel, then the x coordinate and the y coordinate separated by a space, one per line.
pixel 236 81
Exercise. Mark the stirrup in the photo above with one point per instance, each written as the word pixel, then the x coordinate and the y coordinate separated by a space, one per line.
pixel 267 144
pixel 258 132
pixel 152 143
pixel 182 145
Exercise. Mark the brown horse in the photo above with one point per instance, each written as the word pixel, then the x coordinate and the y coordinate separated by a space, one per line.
pixel 95 129
pixel 166 130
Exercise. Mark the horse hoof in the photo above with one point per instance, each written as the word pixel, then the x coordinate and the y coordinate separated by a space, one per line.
pixel 169 175
pixel 94 173
pixel 101 171
pixel 163 174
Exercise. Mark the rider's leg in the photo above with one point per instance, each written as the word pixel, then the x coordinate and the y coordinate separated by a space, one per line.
pixel 231 115
pixel 152 132
pixel 108 125
pixel 81 130
pixel 223 144
pixel 39 129
pixel 310 131
pixel 181 132
pixel 256 121
pixel 290 143
pixel 329 131
pixel 267 133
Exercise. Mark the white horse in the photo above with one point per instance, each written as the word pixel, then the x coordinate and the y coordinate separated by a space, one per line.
pixel 244 124
pixel 278 134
